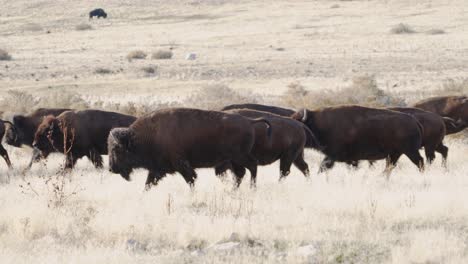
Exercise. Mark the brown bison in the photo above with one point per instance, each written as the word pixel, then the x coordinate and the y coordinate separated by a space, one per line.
pixel 78 134
pixel 352 133
pixel 3 151
pixel 181 139
pixel 24 127
pixel 264 108
pixel 434 131
pixel 286 143
pixel 455 107
pixel 311 141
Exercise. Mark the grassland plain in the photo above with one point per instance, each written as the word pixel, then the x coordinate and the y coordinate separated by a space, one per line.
pixel 290 53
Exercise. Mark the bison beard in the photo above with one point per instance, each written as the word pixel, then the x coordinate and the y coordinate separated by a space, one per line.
pixel 181 140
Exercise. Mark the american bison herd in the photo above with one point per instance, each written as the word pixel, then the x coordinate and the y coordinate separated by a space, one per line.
pixel 238 137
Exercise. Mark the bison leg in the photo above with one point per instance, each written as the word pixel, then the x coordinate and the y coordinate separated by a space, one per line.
pixel 302 166
pixel 249 162
pixel 239 173
pixel 189 174
pixel 392 160
pixel 152 179
pixel 96 159
pixel 221 169
pixel 443 150
pixel 4 154
pixel 416 158
pixel 430 154
pixel 70 161
pixel 327 163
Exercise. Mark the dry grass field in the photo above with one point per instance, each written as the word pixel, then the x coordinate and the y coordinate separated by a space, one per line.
pixel 290 53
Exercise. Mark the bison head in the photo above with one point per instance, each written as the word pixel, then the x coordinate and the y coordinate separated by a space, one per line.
pixel 14 135
pixel 122 159
pixel 49 136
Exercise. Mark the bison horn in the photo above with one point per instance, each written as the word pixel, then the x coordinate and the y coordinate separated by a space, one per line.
pixel 304 116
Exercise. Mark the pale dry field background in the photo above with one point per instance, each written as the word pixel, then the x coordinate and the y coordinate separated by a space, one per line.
pixel 291 53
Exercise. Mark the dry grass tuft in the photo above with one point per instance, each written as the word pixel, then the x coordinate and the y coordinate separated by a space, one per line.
pixel 101 70
pixel 63 99
pixel 215 97
pixel 162 55
pixel 133 108
pixel 136 55
pixel 32 27
pixel 83 26
pixel 402 29
pixel 17 102
pixel 435 31
pixel 363 91
pixel 149 70
pixel 451 86
pixel 4 55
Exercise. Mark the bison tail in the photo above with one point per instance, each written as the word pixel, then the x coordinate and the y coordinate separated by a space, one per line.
pixel 261 120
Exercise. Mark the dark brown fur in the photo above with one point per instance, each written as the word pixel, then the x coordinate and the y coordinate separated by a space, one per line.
pixel 286 143
pixel 352 133
pixel 85 133
pixel 434 131
pixel 264 108
pixel 311 141
pixel 3 151
pixel 182 139
pixel 455 107
pixel 25 126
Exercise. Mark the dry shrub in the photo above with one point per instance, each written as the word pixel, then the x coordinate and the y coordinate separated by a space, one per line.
pixel 215 97
pixel 83 26
pixel 451 86
pixel 162 55
pixel 32 27
pixel 136 55
pixel 132 108
pixel 4 55
pixel 63 99
pixel 101 70
pixel 17 102
pixel 435 31
pixel 402 29
pixel 362 91
pixel 149 70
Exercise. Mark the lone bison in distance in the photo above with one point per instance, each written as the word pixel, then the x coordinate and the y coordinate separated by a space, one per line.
pixel 286 143
pixel 3 151
pixel 352 133
pixel 181 139
pixel 78 134
pixel 455 107
pixel 433 134
pixel 311 141
pixel 98 12
pixel 24 127
pixel 264 108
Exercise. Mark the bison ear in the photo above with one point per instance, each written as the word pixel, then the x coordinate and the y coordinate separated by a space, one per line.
pixel 123 136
